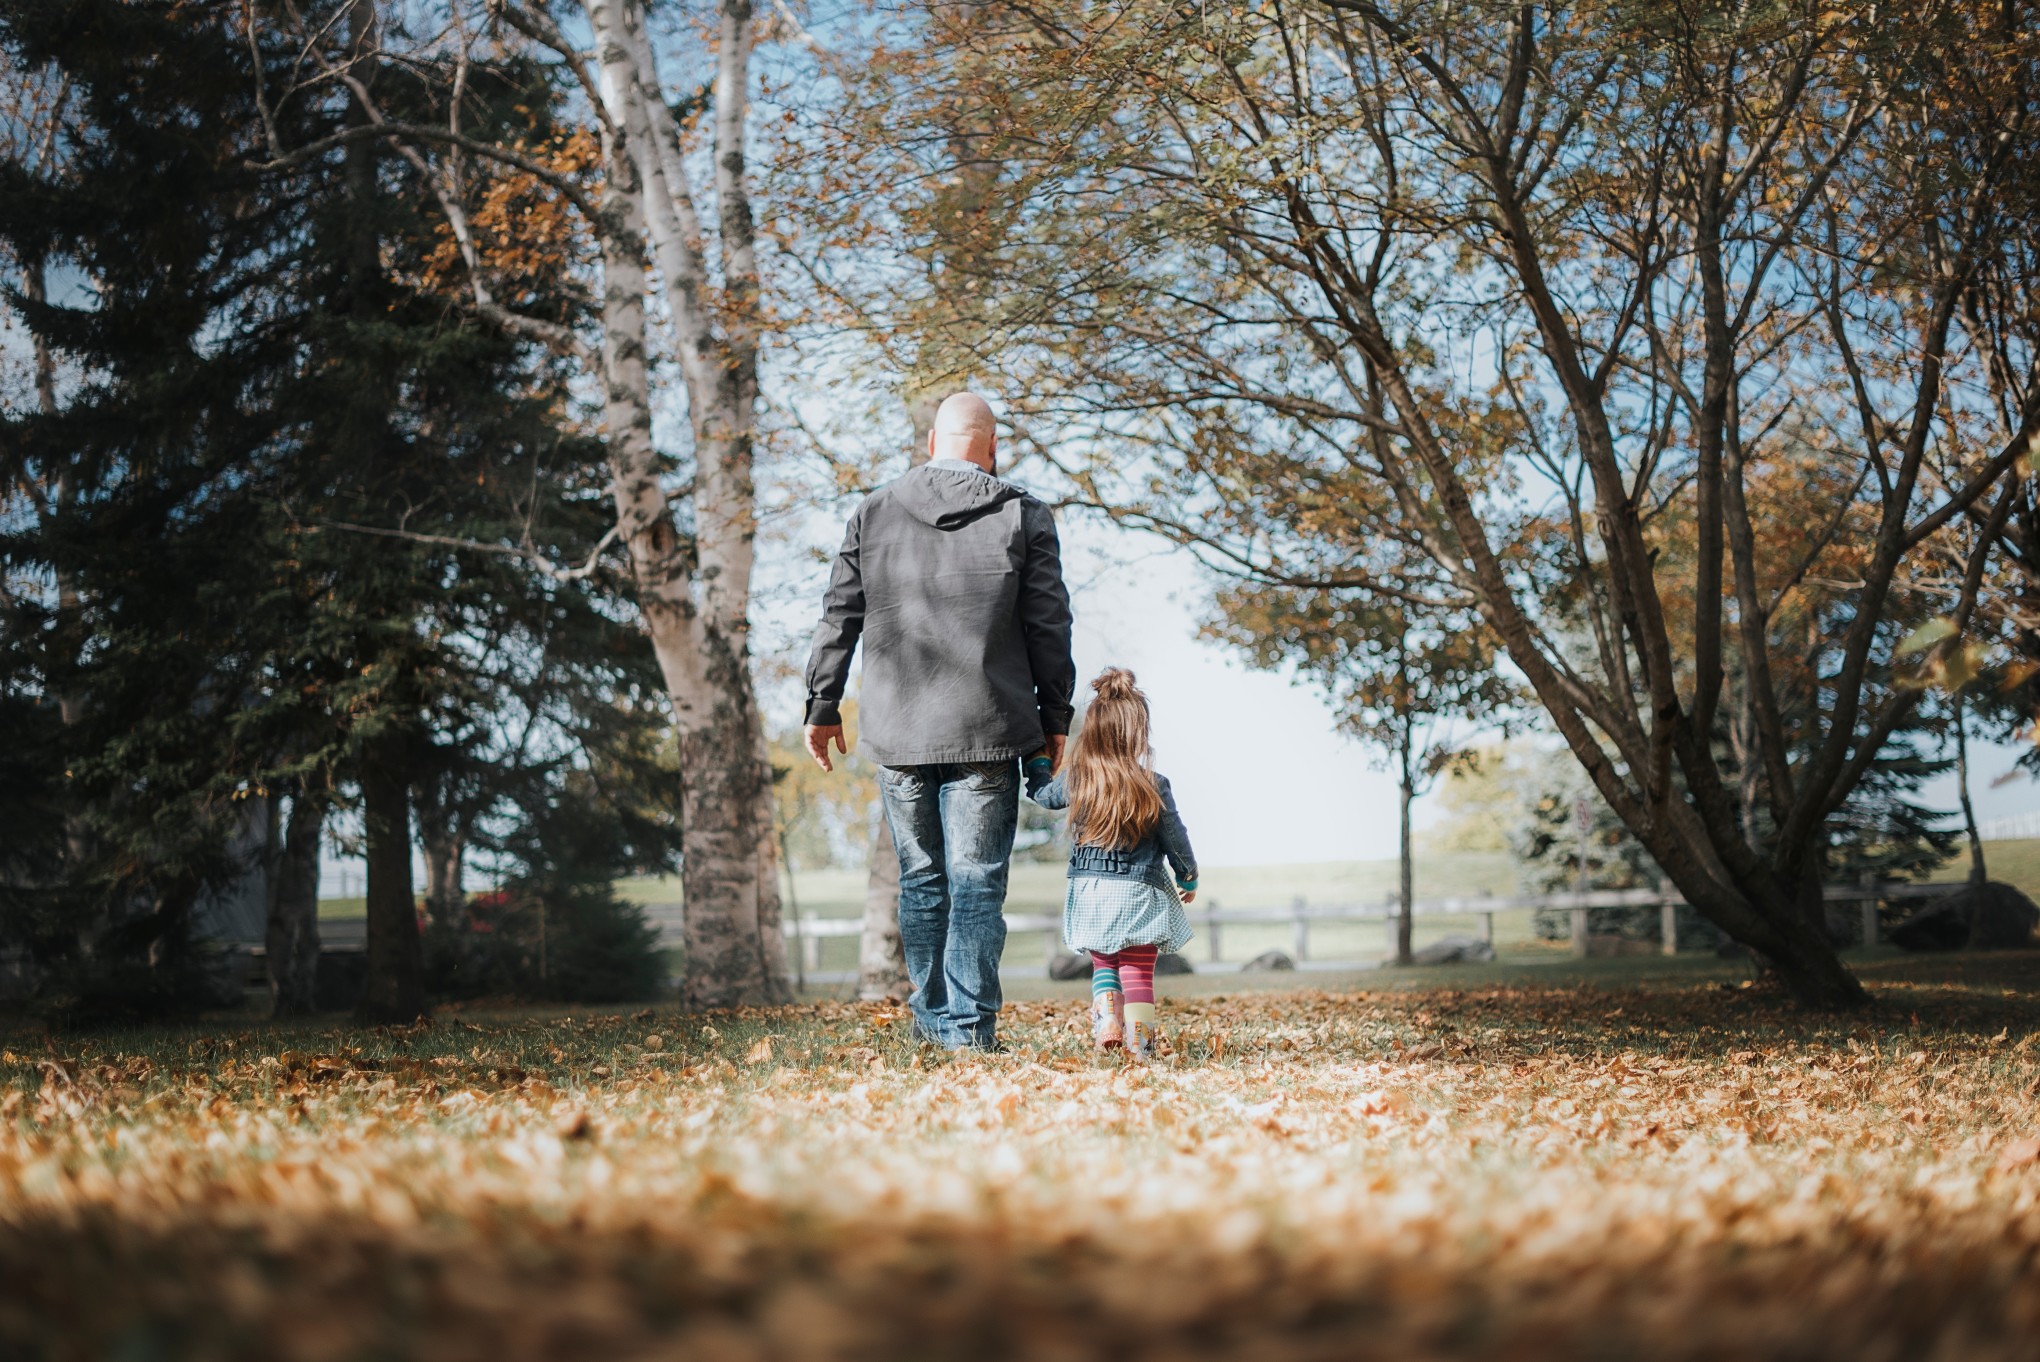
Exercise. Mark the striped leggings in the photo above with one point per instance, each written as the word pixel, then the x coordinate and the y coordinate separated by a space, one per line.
pixel 1131 970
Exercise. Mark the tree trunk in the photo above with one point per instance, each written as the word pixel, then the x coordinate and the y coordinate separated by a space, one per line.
pixel 444 854
pixel 736 954
pixel 1406 866
pixel 1976 870
pixel 291 939
pixel 693 592
pixel 881 963
pixel 394 991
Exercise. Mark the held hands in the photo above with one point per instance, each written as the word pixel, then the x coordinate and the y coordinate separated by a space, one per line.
pixel 819 736
pixel 1049 759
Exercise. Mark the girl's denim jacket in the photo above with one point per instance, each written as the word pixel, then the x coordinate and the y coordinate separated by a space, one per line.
pixel 1166 841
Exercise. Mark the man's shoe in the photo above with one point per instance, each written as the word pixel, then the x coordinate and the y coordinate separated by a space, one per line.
pixel 1108 1019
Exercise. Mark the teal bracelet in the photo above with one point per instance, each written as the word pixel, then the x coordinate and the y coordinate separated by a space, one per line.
pixel 1186 886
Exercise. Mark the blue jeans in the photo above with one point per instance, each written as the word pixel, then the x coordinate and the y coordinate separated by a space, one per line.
pixel 953 826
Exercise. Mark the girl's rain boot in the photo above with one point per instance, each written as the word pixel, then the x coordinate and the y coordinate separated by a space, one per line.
pixel 1108 1019
pixel 1140 1037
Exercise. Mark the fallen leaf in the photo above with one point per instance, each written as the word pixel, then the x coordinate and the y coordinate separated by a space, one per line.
pixel 2019 1154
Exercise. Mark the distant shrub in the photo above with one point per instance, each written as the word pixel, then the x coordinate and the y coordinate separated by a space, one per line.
pixel 554 942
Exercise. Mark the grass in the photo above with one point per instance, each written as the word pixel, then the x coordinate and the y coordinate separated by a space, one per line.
pixel 1596 1159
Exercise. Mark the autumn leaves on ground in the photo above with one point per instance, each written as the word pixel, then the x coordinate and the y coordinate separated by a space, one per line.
pixel 1682 1170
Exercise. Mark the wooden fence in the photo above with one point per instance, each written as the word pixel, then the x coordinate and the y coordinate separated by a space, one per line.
pixel 1301 916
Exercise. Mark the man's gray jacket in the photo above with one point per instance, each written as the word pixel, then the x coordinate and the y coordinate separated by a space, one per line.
pixel 954 580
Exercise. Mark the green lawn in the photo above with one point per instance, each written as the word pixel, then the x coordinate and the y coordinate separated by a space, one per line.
pixel 2016 863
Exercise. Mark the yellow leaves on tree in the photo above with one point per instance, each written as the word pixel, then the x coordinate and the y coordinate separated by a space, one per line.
pixel 529 238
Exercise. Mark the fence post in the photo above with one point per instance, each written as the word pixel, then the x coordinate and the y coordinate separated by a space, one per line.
pixel 1054 943
pixel 1487 928
pixel 1212 912
pixel 1390 911
pixel 1302 929
pixel 1870 910
pixel 810 950
pixel 1579 929
pixel 1668 919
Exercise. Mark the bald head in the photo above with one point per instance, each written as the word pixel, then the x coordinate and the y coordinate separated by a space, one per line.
pixel 964 429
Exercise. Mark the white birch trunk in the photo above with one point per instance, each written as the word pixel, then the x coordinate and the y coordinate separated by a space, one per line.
pixel 695 597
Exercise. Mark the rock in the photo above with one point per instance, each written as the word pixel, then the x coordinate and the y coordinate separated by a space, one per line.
pixel 1268 960
pixel 2005 919
pixel 1454 950
pixel 1983 917
pixel 1168 962
pixel 1069 965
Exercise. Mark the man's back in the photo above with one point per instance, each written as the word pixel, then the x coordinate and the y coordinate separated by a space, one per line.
pixel 953 578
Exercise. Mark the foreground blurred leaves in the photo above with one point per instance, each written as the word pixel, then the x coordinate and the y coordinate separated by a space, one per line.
pixel 1677 1171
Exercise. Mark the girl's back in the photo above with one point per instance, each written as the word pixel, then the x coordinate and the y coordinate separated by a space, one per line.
pixel 1123 905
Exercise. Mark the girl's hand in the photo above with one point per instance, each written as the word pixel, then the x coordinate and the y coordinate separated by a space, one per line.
pixel 1190 896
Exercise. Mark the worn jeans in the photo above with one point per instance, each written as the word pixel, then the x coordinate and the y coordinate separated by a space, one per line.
pixel 953 826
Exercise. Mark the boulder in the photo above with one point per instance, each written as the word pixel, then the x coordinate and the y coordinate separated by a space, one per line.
pixel 1168 962
pixel 1982 917
pixel 1069 965
pixel 1268 960
pixel 1454 950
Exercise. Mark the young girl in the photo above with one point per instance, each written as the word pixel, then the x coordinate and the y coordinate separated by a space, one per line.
pixel 1122 907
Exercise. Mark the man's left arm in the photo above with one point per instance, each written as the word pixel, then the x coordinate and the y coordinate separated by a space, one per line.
pixel 828 669
pixel 1045 624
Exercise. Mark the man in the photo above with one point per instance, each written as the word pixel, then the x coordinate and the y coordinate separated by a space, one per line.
pixel 954 581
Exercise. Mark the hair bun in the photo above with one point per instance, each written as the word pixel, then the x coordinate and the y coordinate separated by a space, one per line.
pixel 1115 683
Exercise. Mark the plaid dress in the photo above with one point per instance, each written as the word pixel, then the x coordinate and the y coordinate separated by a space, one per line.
pixel 1109 914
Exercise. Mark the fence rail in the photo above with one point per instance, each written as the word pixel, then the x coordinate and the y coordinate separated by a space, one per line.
pixel 1301 915
pixel 808 933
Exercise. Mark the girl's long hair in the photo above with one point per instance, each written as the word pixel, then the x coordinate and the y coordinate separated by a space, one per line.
pixel 1114 801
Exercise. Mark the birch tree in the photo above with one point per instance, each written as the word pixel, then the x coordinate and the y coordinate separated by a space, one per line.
pixel 672 253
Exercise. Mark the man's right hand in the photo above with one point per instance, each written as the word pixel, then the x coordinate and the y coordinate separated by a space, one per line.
pixel 819 736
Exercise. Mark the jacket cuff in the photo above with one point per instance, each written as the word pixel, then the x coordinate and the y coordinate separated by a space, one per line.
pixel 1055 720
pixel 823 713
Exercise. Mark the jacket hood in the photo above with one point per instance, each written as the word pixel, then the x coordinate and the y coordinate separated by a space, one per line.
pixel 948 497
